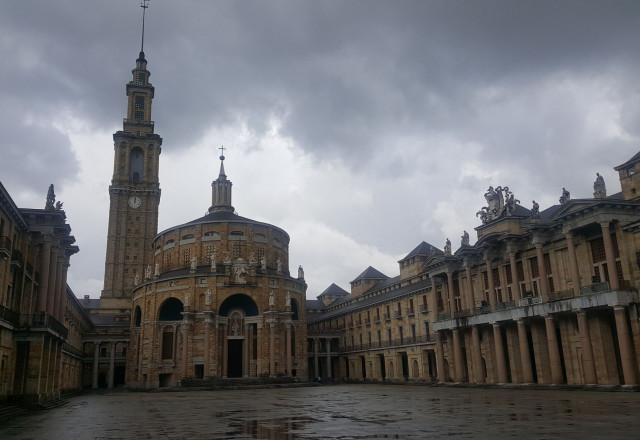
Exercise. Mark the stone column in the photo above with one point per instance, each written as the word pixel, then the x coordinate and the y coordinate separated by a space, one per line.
pixel 225 351
pixel 112 363
pixel 573 263
pixel 245 352
pixel 58 300
pixel 316 371
pixel 207 343
pixel 43 289
pixel 96 361
pixel 250 351
pixel 590 376
pixel 452 300
pixel 554 351
pixel 500 360
pixel 515 285
pixel 477 355
pixel 471 296
pixel 611 259
pixel 627 356
pixel 272 348
pixel 544 282
pixel 185 348
pixel 442 374
pixel 51 287
pixel 288 342
pixel 329 358
pixel 63 291
pixel 492 289
pixel 525 357
pixel 457 354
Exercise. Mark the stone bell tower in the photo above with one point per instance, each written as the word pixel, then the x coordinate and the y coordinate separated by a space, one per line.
pixel 134 194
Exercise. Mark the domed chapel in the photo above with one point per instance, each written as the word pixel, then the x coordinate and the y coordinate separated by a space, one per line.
pixel 217 301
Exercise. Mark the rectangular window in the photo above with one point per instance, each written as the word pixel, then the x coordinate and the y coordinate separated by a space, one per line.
pixel 139 103
pixel 140 78
pixel 138 115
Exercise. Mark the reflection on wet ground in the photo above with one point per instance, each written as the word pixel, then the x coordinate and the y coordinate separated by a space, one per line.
pixel 338 412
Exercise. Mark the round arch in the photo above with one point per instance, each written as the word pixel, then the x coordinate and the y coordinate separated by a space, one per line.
pixel 241 301
pixel 171 310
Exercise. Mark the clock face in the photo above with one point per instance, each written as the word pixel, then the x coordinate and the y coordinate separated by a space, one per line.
pixel 135 201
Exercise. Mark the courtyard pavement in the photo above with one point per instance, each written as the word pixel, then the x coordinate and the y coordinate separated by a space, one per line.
pixel 338 412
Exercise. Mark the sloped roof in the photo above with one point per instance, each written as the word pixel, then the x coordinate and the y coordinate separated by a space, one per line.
pixel 366 301
pixel 314 304
pixel 371 273
pixel 423 248
pixel 334 289
pixel 635 158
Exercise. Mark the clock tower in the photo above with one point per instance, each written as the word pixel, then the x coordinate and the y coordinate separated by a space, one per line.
pixel 134 196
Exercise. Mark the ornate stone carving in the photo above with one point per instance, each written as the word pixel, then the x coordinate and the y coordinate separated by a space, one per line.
pixel 187 299
pixel 194 264
pixel 287 301
pixel 252 259
pixel 279 266
pixel 157 270
pixel 147 272
pixel 212 260
pixel 207 297
pixel 263 263
pixel 501 202
pixel 272 299
pixel 240 271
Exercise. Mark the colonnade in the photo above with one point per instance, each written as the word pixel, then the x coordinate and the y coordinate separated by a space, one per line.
pixel 549 359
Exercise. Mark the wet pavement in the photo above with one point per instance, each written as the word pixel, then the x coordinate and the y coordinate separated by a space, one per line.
pixel 338 412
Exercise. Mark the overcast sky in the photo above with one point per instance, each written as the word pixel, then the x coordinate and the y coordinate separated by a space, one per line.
pixel 361 127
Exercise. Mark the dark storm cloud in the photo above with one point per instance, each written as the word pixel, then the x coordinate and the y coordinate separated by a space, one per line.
pixel 345 77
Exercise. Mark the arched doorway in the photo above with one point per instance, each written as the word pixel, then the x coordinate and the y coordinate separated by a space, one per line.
pixel 239 346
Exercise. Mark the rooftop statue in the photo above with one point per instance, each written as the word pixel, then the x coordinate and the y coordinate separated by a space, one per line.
pixel 565 197
pixel 599 188
pixel 500 202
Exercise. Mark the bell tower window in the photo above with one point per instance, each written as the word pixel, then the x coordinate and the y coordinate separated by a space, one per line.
pixel 140 78
pixel 139 116
pixel 136 161
pixel 139 103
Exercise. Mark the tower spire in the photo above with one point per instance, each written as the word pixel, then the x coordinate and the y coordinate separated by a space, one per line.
pixel 221 190
pixel 144 5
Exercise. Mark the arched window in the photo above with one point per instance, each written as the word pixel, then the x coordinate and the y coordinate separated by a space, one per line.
pixel 137 317
pixel 136 164
pixel 171 310
pixel 294 310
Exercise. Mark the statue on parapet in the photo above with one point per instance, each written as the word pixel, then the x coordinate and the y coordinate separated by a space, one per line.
pixel 565 197
pixel 535 210
pixel 447 248
pixel 51 198
pixel 599 187
pixel 464 240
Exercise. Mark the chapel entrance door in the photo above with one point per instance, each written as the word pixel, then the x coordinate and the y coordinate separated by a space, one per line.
pixel 234 365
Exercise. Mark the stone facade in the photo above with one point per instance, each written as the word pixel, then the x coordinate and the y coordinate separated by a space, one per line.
pixel 542 297
pixel 41 321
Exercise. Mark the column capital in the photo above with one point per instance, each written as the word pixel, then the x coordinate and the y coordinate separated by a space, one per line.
pixel 568 233
pixel 604 224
